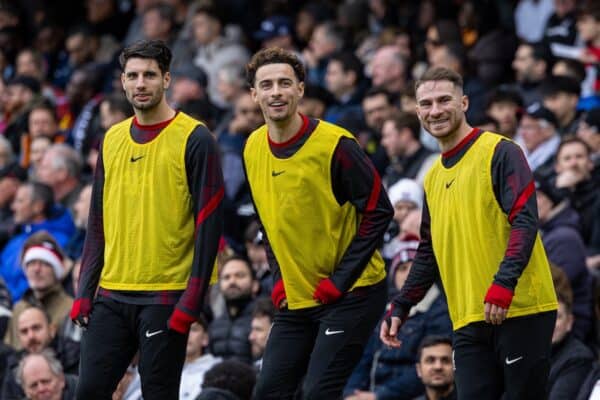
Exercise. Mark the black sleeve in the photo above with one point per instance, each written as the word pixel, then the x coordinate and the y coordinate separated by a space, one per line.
pixel 355 180
pixel 205 181
pixel 424 271
pixel 92 260
pixel 515 192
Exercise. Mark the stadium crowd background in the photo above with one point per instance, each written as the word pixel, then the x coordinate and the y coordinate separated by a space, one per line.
pixel 531 71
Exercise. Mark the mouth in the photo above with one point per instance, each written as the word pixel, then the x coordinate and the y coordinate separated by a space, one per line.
pixel 277 104
pixel 141 96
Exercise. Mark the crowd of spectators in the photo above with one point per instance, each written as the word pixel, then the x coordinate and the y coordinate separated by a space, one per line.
pixel 532 73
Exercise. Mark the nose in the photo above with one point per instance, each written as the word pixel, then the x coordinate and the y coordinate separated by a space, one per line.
pixel 435 109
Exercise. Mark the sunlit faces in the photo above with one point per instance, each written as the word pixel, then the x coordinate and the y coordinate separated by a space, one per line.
pixel 441 107
pixel 144 83
pixel 277 91
pixel 40 382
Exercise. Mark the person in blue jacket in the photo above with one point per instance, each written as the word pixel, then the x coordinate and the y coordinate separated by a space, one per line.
pixel 34 210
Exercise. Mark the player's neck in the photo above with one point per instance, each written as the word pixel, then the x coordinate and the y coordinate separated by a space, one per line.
pixel 282 131
pixel 453 139
pixel 162 112
pixel 437 394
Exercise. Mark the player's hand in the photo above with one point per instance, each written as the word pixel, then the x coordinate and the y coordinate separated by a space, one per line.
pixel 494 314
pixel 80 312
pixel 389 331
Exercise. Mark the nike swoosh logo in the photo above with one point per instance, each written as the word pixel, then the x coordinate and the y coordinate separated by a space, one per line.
pixel 134 159
pixel 449 183
pixel 328 332
pixel 150 334
pixel 273 173
pixel 514 360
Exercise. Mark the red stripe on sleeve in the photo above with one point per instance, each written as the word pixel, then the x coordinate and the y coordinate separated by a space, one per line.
pixel 210 206
pixel 375 191
pixel 521 201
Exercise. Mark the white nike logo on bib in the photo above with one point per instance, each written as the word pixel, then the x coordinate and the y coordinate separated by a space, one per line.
pixel 328 332
pixel 514 360
pixel 150 334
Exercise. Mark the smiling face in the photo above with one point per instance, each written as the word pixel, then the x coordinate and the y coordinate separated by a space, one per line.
pixel 441 108
pixel 277 91
pixel 144 83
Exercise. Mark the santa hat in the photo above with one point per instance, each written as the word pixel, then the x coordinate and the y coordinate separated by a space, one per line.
pixel 47 253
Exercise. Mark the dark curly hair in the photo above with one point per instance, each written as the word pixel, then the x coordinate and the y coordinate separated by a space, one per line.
pixel 274 55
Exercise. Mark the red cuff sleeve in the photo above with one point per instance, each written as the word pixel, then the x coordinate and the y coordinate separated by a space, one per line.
pixel 278 293
pixel 326 292
pixel 180 321
pixel 81 308
pixel 499 296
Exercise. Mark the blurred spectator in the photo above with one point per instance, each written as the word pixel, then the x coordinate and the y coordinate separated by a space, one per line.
pixel 10 177
pixel 231 83
pixel 388 373
pixel 505 106
pixel 560 95
pixel 408 157
pixel 440 33
pixel 81 45
pixel 5 315
pixel 435 368
pixel 588 130
pixel 569 67
pixel 588 27
pixel 229 332
pixel 411 224
pixel 37 333
pixel 257 254
pixel 344 80
pixel 197 361
pixel 260 327
pixel 326 39
pixel 531 17
pixel 561 26
pixel 539 139
pixel 188 83
pixel 108 18
pixel 81 210
pixel 135 31
pixel 405 196
pixel 246 117
pixel 41 377
pixel 60 169
pixel 486 123
pixel 114 108
pixel 20 92
pixel 44 266
pixel 42 121
pixel 531 65
pixel 159 23
pixel 377 107
pixel 309 16
pixel 315 101
pixel 559 228
pixel 574 180
pixel 570 359
pixel 276 31
pixel 84 100
pixel 34 210
pixel 214 50
pixel 389 69
pixel 228 380
pixel 38 148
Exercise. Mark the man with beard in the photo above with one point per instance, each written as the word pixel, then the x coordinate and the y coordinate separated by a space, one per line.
pixel 153 232
pixel 229 332
pixel 479 235
pixel 434 367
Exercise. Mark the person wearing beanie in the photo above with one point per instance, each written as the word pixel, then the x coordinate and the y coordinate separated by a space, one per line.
pixel 406 196
pixel 42 261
